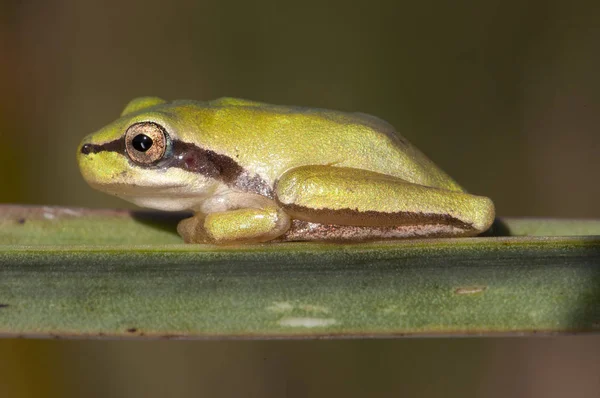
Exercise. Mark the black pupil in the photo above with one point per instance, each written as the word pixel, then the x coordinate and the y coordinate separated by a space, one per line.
pixel 141 142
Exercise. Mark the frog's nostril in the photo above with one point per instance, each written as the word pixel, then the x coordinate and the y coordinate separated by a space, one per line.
pixel 86 149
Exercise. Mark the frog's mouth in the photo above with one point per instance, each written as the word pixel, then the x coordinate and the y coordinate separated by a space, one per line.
pixel 173 197
pixel 161 188
pixel 123 189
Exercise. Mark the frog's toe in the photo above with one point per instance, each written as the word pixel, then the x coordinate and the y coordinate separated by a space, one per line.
pixel 192 230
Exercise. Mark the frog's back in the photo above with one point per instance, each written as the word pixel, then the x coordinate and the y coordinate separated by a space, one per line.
pixel 270 139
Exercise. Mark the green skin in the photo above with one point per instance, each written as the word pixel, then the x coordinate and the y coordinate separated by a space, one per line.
pixel 254 172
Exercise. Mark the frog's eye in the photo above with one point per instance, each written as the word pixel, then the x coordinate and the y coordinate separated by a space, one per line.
pixel 145 142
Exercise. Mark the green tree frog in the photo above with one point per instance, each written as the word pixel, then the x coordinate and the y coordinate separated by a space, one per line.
pixel 254 172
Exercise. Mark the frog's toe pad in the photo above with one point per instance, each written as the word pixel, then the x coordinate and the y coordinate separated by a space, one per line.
pixel 192 230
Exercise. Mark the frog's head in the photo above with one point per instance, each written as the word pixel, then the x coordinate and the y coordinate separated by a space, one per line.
pixel 141 157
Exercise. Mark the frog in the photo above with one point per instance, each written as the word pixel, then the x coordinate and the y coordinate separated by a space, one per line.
pixel 250 172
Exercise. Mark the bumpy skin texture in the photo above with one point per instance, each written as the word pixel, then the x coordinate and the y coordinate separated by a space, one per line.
pixel 255 172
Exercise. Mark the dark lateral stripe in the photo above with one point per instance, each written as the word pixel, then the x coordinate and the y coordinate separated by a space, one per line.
pixel 112 146
pixel 206 162
pixel 192 158
pixel 371 218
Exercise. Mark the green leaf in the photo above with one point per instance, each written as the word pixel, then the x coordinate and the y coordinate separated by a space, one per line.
pixel 78 272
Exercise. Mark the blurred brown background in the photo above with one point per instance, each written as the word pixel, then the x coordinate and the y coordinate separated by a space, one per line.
pixel 504 95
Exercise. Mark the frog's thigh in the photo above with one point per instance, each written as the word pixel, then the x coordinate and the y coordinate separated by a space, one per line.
pixel 235 226
pixel 347 196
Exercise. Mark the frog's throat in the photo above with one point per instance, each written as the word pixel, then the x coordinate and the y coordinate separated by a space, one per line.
pixel 192 158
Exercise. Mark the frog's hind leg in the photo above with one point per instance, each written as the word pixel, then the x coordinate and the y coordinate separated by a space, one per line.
pixel 308 231
pixel 340 196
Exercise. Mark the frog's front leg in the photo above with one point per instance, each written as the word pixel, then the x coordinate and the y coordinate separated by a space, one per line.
pixel 245 225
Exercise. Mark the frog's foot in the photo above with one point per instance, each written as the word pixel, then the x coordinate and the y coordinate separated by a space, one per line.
pixel 307 231
pixel 192 229
pixel 235 226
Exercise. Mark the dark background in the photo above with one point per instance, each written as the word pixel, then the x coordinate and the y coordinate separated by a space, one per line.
pixel 503 95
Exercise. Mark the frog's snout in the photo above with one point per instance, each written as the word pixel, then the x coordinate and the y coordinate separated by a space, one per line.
pixel 86 146
pixel 86 149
